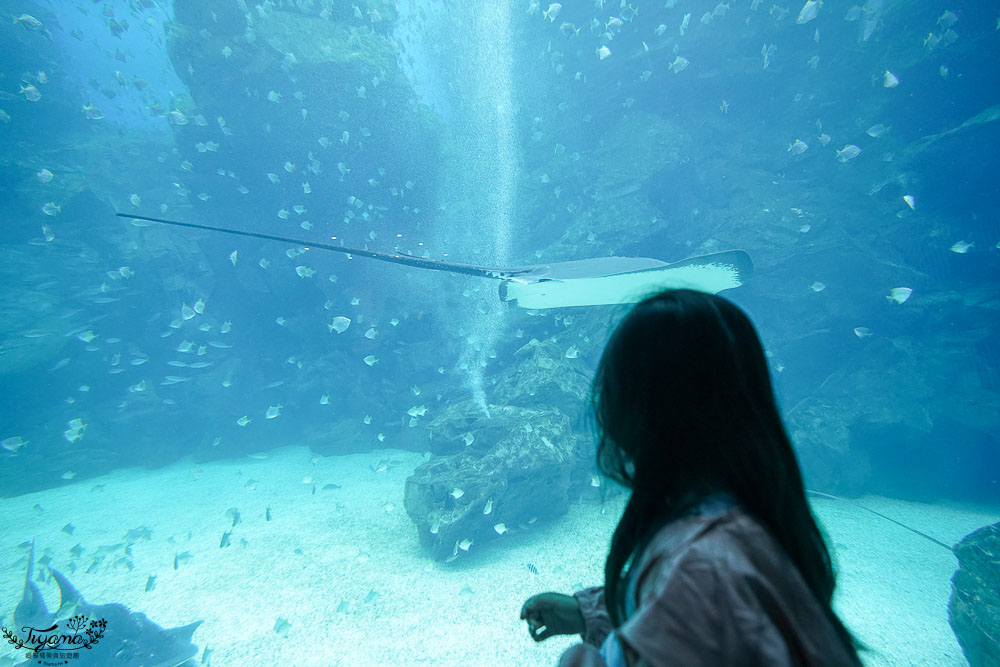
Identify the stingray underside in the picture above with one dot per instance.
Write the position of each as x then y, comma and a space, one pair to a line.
565, 284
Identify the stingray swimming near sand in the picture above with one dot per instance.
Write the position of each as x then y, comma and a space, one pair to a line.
101, 634
581, 282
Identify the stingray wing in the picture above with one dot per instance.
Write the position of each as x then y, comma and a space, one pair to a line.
618, 280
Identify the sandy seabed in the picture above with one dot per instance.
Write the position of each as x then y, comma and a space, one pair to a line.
345, 568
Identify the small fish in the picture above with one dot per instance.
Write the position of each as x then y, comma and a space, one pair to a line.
225, 539
501, 528
961, 247
489, 506
899, 294
68, 475
946, 20
69, 529
552, 12
572, 352
465, 544
29, 22
91, 111
13, 444
181, 558
603, 52
273, 411
324, 399
273, 97
910, 201
862, 332
808, 11
339, 324
456, 493
51, 209
798, 147
267, 514
233, 256
679, 65
532, 569
44, 175
876, 131
282, 626
417, 411
30, 93
817, 287
305, 271
371, 360
889, 80
848, 153
234, 513
151, 583
595, 481
244, 420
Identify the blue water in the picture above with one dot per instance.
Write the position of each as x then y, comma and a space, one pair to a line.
486, 133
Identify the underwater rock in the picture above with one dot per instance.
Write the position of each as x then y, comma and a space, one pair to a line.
879, 416
540, 375
616, 178
518, 468
528, 461
636, 148
115, 635
306, 73
974, 608
821, 431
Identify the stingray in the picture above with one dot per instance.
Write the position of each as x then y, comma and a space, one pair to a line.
581, 282
130, 639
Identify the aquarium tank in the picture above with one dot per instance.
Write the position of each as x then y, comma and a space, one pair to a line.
302, 302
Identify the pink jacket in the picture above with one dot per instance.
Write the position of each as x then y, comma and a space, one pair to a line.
713, 589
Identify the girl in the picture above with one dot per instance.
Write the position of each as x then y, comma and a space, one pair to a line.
717, 559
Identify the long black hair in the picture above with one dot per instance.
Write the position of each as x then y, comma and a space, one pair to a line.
684, 406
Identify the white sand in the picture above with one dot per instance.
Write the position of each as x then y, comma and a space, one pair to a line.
357, 539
